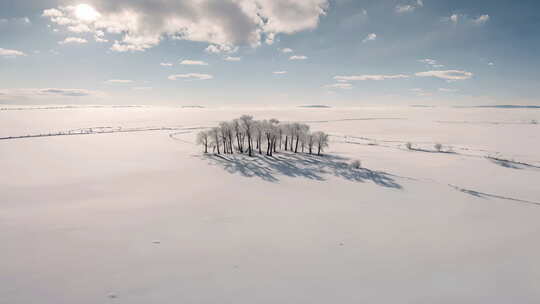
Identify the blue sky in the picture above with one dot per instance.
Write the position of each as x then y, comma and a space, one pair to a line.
269, 52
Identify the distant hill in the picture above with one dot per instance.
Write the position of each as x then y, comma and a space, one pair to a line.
502, 107
314, 106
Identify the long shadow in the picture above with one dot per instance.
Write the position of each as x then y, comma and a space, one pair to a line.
510, 163
312, 167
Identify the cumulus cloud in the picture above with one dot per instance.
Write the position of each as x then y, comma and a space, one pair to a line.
298, 57
8, 53
73, 40
457, 18
286, 50
79, 28
193, 62
342, 86
230, 58
369, 77
408, 8
217, 49
450, 75
400, 9
279, 72
431, 62
481, 19
224, 25
119, 81
191, 76
370, 37
167, 64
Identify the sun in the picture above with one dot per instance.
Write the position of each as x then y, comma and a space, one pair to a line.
85, 12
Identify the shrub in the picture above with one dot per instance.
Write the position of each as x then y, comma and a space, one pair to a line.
409, 146
438, 147
356, 164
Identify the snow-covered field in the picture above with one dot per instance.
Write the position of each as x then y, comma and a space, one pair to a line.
117, 205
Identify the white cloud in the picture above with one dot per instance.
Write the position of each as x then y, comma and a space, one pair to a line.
342, 86
431, 62
7, 53
369, 77
408, 8
142, 88
193, 62
100, 39
191, 76
286, 50
54, 13
224, 25
167, 64
445, 90
279, 72
298, 57
481, 19
217, 49
48, 92
450, 75
230, 58
119, 81
17, 21
75, 40
456, 18
370, 37
400, 9
491, 63
79, 28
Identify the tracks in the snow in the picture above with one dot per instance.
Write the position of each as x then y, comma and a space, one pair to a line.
100, 130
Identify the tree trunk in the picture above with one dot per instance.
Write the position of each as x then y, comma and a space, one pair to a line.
249, 145
292, 142
286, 142
296, 147
238, 142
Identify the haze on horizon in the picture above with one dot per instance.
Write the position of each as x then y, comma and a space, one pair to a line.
260, 52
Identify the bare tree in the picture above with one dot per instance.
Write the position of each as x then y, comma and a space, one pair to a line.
310, 142
237, 127
247, 123
269, 132
321, 139
214, 135
202, 139
223, 129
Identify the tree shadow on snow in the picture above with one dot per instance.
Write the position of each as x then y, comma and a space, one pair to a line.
312, 167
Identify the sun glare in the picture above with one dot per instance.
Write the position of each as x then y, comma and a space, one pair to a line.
86, 13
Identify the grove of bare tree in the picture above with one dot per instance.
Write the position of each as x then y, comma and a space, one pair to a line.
246, 135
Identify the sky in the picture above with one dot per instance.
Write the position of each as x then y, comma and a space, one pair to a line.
270, 52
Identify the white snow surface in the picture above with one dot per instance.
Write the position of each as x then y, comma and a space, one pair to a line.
117, 205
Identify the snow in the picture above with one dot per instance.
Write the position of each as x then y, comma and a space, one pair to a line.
135, 213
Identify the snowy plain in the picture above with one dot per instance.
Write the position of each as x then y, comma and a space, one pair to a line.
118, 205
